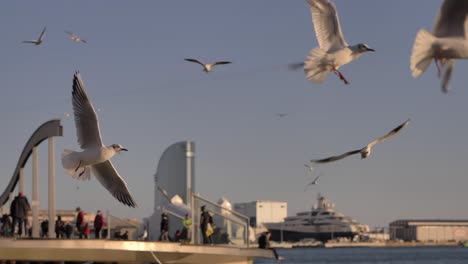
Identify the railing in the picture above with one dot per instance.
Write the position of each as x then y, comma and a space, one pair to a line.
230, 227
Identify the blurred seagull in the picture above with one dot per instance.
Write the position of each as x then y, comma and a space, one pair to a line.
209, 66
75, 37
334, 51
39, 40
447, 42
314, 182
282, 115
95, 156
309, 168
164, 193
366, 151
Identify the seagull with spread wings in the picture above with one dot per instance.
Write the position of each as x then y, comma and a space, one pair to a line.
38, 41
95, 156
314, 182
447, 42
366, 151
208, 67
333, 51
74, 37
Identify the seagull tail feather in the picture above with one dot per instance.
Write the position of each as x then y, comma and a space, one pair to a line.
70, 162
313, 66
422, 52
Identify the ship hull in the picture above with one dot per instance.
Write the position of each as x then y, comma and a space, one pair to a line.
292, 236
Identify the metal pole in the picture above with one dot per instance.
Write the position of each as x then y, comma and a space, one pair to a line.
21, 180
35, 195
108, 221
51, 187
190, 154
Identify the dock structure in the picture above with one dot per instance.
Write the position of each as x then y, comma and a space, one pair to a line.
124, 251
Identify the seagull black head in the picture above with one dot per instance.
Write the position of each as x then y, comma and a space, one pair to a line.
118, 148
364, 48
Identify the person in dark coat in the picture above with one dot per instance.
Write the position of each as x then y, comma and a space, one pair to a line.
59, 227
98, 224
164, 228
80, 222
264, 242
68, 230
19, 211
205, 219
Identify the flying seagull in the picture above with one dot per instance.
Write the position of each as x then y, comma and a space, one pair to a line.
333, 51
314, 182
39, 40
282, 114
95, 156
366, 151
209, 66
164, 193
309, 168
75, 37
447, 42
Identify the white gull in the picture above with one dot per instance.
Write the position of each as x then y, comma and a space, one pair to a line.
333, 51
38, 41
95, 156
208, 67
447, 42
366, 151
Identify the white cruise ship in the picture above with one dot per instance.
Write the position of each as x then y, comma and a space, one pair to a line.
321, 223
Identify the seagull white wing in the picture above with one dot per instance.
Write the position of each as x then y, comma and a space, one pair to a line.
42, 34
30, 41
450, 21
70, 33
327, 25
108, 176
86, 121
391, 133
335, 158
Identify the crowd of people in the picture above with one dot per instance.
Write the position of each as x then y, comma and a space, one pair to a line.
16, 224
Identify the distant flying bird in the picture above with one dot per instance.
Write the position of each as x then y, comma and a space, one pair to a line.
39, 40
334, 51
75, 37
366, 151
314, 182
282, 114
164, 193
447, 42
95, 156
209, 66
309, 168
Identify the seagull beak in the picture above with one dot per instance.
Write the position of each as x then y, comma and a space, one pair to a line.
124, 149
368, 49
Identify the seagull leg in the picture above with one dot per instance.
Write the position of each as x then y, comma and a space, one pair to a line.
78, 166
81, 173
436, 60
337, 72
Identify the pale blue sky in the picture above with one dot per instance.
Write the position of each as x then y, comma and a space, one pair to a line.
149, 98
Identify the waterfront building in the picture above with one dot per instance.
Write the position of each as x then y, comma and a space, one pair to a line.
429, 230
263, 211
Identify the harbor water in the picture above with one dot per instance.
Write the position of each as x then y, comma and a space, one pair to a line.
391, 255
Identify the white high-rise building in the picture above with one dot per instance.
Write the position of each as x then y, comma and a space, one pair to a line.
263, 211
